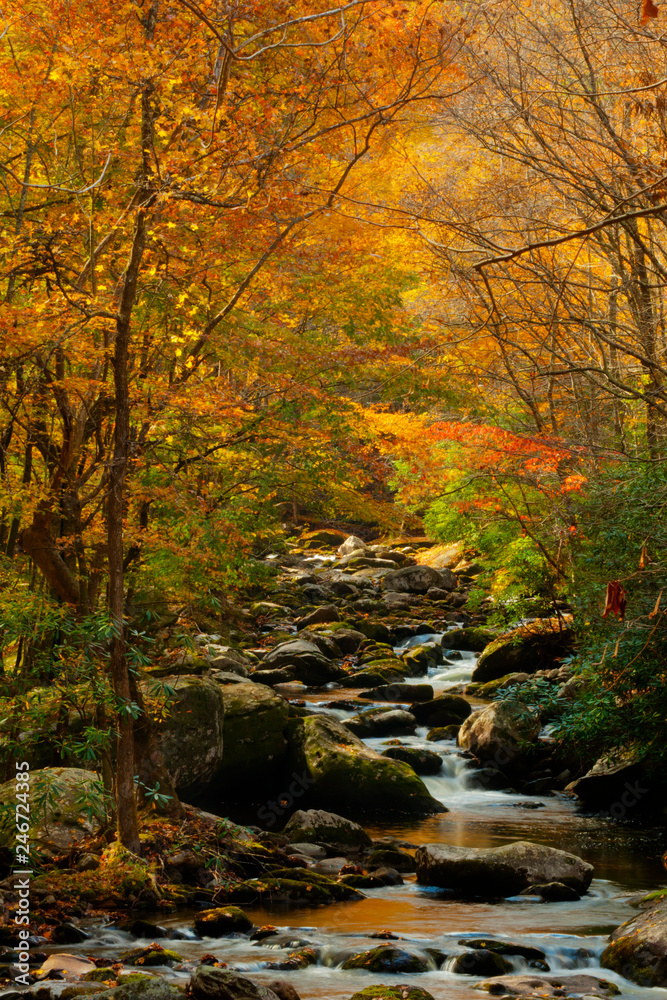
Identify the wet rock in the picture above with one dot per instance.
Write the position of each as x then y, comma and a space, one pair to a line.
154, 954
417, 580
325, 827
491, 688
536, 646
473, 638
190, 736
506, 948
418, 659
209, 983
548, 986
59, 809
222, 920
308, 662
348, 639
399, 692
388, 876
553, 892
503, 735
480, 962
143, 929
63, 962
282, 989
254, 730
382, 722
387, 857
282, 675
229, 665
68, 933
388, 959
401, 992
327, 613
638, 948
348, 775
440, 733
375, 630
500, 871
445, 710
421, 761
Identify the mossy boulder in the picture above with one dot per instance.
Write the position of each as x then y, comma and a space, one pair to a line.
222, 920
291, 885
154, 954
145, 988
499, 871
317, 826
418, 659
349, 776
392, 993
489, 689
190, 731
472, 638
374, 630
637, 949
388, 959
66, 806
305, 657
254, 735
382, 722
539, 645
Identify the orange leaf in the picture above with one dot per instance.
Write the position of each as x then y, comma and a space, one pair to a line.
649, 10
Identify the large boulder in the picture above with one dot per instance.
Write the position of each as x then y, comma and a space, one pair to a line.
421, 761
499, 871
616, 784
154, 988
387, 958
254, 735
400, 992
347, 775
310, 665
445, 710
637, 949
474, 638
382, 722
209, 983
66, 806
190, 732
317, 826
502, 735
416, 580
539, 645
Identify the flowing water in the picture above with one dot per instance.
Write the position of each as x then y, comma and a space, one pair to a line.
432, 923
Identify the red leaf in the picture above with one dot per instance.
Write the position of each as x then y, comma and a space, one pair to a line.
649, 10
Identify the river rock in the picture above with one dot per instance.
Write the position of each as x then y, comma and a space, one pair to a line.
254, 735
549, 986
389, 959
638, 948
66, 807
416, 580
500, 871
230, 665
347, 639
352, 544
538, 645
310, 665
283, 989
616, 783
318, 826
421, 761
382, 722
418, 659
348, 775
445, 710
210, 983
502, 735
190, 735
473, 638
154, 988
222, 920
327, 613
401, 992
480, 962
399, 692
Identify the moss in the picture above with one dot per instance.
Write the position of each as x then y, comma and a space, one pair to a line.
120, 875
627, 957
101, 976
222, 920
153, 955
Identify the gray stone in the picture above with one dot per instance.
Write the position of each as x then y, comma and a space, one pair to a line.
316, 825
414, 580
500, 871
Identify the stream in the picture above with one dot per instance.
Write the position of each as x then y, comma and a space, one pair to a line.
427, 921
